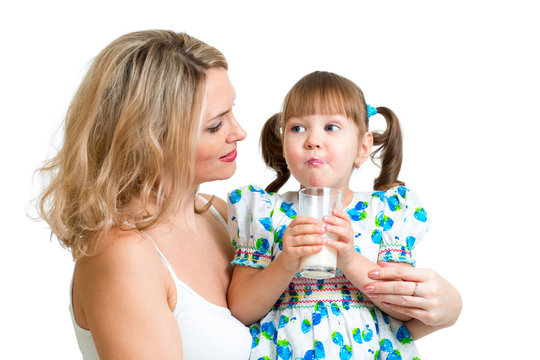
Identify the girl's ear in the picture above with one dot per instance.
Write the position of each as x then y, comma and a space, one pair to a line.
364, 149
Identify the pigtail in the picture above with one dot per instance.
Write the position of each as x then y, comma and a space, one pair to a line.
391, 151
272, 152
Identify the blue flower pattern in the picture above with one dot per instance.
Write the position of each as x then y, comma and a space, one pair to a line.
328, 319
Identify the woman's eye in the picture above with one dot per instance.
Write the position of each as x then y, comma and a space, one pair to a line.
215, 128
331, 127
298, 128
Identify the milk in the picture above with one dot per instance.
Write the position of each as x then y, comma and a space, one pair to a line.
317, 203
321, 265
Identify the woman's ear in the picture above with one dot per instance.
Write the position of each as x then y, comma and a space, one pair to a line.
364, 149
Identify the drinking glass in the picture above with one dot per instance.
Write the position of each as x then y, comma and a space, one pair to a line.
317, 202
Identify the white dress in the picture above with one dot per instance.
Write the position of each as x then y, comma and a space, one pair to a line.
327, 319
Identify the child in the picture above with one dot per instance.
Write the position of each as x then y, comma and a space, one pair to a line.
320, 137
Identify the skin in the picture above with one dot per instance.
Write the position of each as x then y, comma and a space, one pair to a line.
124, 295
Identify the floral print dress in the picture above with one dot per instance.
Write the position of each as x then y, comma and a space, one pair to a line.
327, 319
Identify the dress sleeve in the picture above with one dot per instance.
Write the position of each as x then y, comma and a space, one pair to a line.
403, 222
250, 211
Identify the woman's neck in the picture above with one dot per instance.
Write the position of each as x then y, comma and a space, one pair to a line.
184, 213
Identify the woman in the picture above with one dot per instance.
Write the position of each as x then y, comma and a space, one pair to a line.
151, 121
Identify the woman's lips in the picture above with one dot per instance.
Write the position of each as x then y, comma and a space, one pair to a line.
229, 157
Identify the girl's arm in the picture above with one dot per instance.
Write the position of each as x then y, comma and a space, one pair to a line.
437, 304
354, 266
253, 291
121, 296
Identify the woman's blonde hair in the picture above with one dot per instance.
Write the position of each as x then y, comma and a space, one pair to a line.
324, 92
134, 118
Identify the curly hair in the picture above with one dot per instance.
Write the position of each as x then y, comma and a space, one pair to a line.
134, 119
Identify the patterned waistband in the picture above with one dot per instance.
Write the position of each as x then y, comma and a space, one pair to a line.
334, 293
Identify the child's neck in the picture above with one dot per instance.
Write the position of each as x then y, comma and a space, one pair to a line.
346, 197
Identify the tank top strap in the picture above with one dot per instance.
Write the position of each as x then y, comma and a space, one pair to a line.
214, 212
161, 256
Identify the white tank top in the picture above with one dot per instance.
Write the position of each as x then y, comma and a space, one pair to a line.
208, 331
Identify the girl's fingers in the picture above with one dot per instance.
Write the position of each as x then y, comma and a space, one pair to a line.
337, 219
304, 240
338, 245
303, 220
344, 233
301, 251
305, 229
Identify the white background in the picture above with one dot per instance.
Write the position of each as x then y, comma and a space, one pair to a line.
462, 76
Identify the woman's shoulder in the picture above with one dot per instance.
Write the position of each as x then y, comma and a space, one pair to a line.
122, 286
122, 254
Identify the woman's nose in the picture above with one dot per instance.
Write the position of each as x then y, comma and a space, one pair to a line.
237, 132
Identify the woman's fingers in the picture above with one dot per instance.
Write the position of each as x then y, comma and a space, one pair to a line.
403, 301
414, 312
392, 271
391, 287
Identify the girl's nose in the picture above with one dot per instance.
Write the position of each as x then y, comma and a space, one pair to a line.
313, 141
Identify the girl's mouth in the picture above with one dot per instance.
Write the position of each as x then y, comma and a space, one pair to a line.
314, 162
229, 157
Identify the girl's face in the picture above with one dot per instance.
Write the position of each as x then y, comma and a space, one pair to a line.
322, 150
216, 151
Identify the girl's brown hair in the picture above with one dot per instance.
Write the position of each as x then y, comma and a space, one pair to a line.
134, 119
323, 92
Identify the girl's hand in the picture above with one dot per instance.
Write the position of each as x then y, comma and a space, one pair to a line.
420, 293
301, 238
340, 224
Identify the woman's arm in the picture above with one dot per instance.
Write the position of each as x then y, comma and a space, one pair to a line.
122, 294
436, 305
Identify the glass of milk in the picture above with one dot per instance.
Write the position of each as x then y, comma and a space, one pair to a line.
317, 202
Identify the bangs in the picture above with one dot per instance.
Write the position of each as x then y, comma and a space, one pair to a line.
325, 93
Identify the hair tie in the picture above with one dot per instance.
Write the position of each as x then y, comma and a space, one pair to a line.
370, 110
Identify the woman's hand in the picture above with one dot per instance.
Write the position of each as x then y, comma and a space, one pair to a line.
420, 293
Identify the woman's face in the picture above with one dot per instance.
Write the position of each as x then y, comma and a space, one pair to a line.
216, 151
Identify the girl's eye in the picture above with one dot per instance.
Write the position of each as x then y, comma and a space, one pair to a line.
331, 127
216, 127
298, 128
